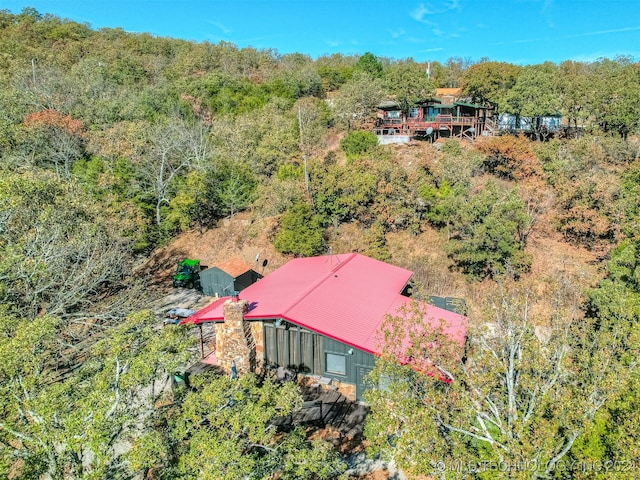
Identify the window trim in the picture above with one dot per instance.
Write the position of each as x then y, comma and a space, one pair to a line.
333, 372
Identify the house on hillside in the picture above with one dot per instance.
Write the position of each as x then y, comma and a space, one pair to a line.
445, 115
227, 277
320, 316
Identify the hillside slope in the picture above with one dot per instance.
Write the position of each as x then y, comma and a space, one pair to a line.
247, 236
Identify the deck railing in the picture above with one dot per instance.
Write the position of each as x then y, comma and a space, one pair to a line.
411, 126
436, 119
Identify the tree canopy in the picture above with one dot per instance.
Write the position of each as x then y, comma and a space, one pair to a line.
113, 143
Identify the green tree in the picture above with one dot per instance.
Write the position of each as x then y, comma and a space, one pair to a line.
282, 192
376, 243
229, 94
370, 189
224, 428
263, 139
616, 300
300, 233
614, 307
357, 143
535, 94
575, 81
193, 201
408, 83
102, 409
313, 119
488, 233
444, 186
236, 188
443, 203
512, 404
369, 64
334, 70
357, 99
615, 103
454, 69
296, 78
489, 82
216, 188
73, 420
630, 197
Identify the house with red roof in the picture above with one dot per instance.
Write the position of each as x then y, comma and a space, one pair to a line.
320, 316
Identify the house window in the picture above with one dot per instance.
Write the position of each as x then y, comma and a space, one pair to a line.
384, 383
413, 113
336, 364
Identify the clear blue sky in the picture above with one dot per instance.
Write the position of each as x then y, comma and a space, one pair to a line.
514, 31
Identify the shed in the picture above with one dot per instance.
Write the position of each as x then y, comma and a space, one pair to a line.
225, 278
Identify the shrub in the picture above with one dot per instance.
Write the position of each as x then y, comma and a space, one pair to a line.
290, 172
301, 232
488, 232
358, 143
509, 157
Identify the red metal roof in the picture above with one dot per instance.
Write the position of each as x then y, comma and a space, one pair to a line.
344, 297
210, 313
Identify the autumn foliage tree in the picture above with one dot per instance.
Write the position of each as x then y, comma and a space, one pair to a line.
60, 139
509, 157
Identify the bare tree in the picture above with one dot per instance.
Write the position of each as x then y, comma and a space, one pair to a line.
53, 138
165, 156
59, 255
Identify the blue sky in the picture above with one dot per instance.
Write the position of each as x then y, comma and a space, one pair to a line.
514, 31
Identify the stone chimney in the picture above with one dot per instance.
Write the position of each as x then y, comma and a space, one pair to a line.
234, 340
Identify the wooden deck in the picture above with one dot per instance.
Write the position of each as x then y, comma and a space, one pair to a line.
326, 407
448, 125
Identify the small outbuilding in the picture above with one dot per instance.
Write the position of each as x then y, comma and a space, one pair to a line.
227, 277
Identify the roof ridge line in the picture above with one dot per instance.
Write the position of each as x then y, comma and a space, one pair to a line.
305, 294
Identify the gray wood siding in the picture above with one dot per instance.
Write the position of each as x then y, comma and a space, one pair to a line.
289, 345
216, 282
355, 360
293, 347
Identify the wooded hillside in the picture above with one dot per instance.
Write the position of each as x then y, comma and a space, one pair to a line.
117, 148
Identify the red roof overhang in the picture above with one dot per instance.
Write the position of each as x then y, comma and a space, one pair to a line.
344, 297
